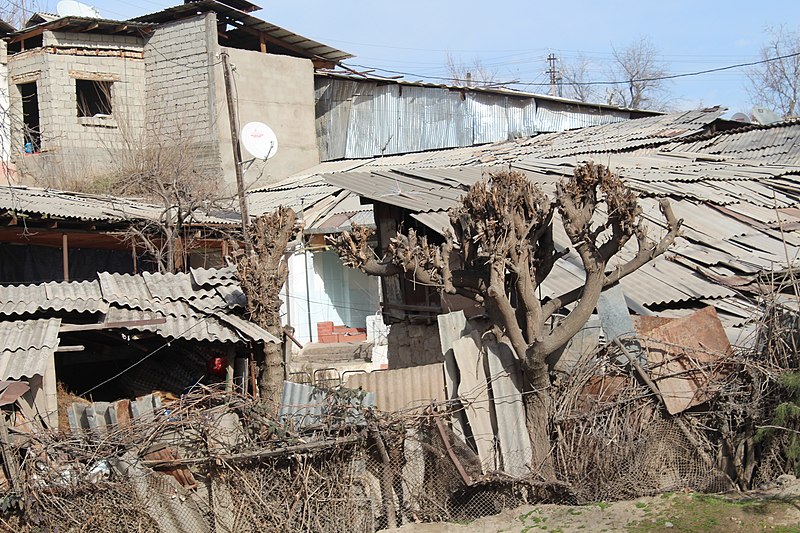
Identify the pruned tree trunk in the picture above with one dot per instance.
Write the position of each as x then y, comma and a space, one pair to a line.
262, 274
502, 250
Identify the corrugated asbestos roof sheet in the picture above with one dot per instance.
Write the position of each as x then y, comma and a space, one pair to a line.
203, 305
23, 200
308, 47
737, 192
27, 346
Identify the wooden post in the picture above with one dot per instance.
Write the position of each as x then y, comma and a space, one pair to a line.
65, 255
237, 151
288, 337
9, 459
133, 255
387, 491
262, 42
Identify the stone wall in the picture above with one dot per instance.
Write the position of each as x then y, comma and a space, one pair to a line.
413, 345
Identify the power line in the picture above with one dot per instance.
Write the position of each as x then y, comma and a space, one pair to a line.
653, 78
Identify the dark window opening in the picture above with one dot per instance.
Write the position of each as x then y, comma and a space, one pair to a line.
32, 136
94, 97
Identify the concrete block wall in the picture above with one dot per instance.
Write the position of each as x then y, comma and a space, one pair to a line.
277, 90
179, 62
75, 148
413, 345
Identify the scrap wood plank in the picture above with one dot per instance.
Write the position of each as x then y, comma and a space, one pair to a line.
505, 376
181, 473
473, 391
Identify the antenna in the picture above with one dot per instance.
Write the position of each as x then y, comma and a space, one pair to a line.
71, 8
259, 139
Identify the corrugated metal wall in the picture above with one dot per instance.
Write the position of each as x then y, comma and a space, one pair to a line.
366, 118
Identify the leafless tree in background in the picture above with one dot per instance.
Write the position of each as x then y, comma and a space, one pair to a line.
637, 70
576, 80
472, 74
776, 84
17, 12
503, 250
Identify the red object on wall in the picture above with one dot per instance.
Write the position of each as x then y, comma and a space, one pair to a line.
218, 365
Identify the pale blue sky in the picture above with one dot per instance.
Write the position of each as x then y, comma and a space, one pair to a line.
514, 37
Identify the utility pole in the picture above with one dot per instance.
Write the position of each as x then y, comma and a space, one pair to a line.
237, 151
555, 75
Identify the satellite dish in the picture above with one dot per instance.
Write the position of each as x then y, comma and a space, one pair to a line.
762, 115
259, 140
71, 8
740, 117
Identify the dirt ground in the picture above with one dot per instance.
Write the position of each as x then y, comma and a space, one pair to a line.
775, 509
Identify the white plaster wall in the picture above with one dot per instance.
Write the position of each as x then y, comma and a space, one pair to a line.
342, 295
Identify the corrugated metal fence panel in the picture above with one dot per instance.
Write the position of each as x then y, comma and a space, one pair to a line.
306, 405
489, 118
334, 101
360, 119
404, 388
363, 136
556, 116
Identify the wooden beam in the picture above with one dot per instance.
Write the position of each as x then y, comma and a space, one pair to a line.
65, 255
262, 42
76, 348
38, 31
70, 328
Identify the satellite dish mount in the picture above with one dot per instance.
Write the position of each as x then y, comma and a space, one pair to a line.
259, 140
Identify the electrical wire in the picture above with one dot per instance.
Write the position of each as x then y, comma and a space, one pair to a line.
605, 82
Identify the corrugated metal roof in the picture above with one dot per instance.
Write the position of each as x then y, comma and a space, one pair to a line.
27, 347
308, 47
208, 311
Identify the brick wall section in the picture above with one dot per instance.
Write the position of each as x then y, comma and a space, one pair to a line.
414, 344
180, 92
92, 40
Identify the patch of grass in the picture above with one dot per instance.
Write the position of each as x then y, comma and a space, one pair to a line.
704, 512
603, 505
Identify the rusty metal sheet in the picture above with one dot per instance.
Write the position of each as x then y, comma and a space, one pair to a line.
686, 357
403, 388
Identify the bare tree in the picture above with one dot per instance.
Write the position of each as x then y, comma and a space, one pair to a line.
775, 83
576, 82
503, 249
638, 74
262, 275
166, 173
473, 74
17, 12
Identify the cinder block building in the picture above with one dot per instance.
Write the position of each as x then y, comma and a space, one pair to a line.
89, 94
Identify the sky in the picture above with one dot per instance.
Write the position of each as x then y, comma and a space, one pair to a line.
513, 38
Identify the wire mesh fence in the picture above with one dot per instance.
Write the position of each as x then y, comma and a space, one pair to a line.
217, 462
